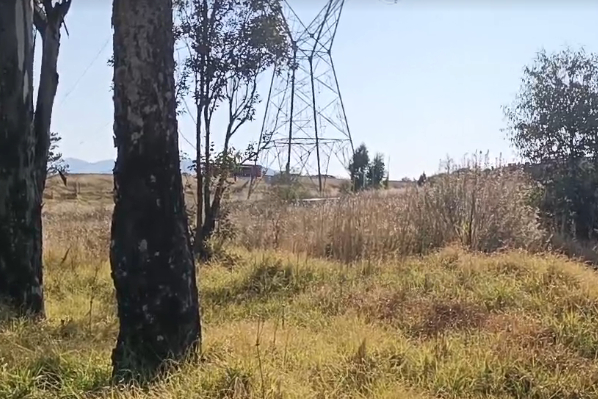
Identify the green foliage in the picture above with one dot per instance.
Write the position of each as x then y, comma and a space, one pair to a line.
231, 42
365, 174
376, 172
358, 168
552, 124
554, 116
55, 162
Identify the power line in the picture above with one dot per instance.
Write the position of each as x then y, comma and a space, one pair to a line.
86, 70
188, 142
98, 130
183, 97
107, 123
189, 111
186, 107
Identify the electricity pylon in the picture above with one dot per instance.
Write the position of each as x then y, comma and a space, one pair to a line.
305, 116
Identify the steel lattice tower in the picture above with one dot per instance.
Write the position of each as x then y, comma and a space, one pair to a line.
305, 123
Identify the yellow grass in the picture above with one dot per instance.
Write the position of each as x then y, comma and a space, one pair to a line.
450, 323
96, 187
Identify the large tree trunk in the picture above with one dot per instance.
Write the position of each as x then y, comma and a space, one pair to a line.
20, 199
24, 146
151, 256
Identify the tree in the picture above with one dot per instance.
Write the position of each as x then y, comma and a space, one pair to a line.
56, 164
376, 172
151, 255
422, 179
24, 145
358, 167
553, 123
231, 43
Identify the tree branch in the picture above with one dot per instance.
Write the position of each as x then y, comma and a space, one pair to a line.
44, 11
39, 17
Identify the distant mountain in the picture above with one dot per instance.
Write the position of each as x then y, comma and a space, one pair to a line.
79, 166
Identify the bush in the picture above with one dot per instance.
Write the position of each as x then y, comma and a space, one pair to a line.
286, 188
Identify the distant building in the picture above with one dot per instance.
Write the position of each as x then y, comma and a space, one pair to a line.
246, 170
243, 170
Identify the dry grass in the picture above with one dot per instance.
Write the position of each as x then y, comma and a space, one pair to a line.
95, 187
479, 211
450, 324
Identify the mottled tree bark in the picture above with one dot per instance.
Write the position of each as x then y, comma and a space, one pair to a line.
24, 145
48, 21
151, 256
20, 199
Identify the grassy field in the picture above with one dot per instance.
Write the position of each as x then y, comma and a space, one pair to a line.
408, 297
99, 187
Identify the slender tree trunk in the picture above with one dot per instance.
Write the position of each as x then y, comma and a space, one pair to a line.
201, 239
20, 202
49, 27
200, 247
208, 175
209, 225
199, 217
200, 95
151, 257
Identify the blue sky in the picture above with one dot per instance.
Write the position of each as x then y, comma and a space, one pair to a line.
420, 79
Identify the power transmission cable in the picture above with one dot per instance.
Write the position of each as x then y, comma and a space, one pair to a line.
86, 70
188, 142
186, 105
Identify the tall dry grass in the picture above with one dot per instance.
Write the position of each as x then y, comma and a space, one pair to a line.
481, 208
76, 231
